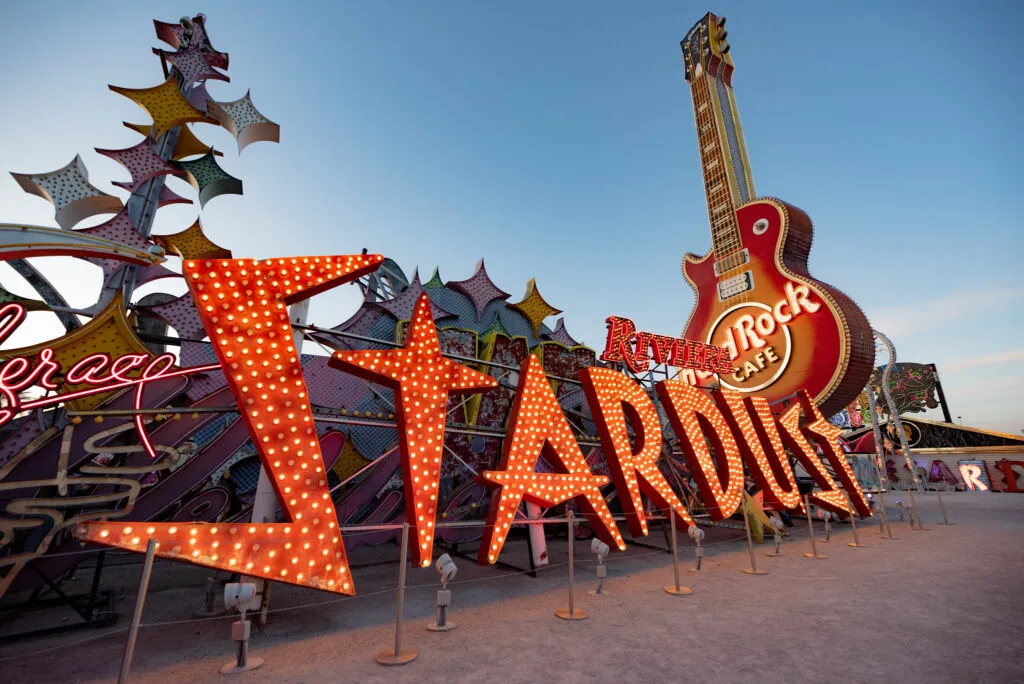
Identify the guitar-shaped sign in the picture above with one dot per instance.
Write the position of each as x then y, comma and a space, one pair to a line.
784, 329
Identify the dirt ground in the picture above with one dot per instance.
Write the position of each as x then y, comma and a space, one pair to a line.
938, 605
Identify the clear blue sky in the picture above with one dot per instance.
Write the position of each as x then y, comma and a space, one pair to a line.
556, 140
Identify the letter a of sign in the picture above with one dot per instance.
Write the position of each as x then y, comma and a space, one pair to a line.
241, 303
685, 406
610, 395
422, 379
538, 427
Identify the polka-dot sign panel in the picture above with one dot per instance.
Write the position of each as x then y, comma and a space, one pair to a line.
165, 105
193, 67
142, 162
119, 229
534, 308
192, 243
244, 121
74, 198
480, 289
210, 179
188, 145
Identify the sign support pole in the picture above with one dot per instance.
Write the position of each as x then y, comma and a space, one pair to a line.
398, 656
571, 613
942, 507
810, 526
140, 600
676, 589
753, 569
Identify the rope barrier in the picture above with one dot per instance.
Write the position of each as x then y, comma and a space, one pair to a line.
317, 604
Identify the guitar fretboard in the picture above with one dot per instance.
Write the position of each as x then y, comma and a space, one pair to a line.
727, 181
725, 237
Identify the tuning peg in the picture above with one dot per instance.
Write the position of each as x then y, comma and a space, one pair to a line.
722, 33
726, 49
721, 22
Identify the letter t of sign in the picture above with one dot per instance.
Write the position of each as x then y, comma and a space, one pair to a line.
422, 379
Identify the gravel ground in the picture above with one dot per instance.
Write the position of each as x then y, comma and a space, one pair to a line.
938, 605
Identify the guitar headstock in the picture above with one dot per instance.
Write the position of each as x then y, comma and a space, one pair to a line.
706, 40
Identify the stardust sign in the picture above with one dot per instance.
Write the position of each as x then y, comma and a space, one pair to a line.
242, 304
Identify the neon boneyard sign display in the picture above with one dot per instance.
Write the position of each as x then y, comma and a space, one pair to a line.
242, 305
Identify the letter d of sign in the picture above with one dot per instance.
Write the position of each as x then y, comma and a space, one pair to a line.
687, 408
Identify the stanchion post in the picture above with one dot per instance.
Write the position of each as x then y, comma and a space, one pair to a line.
881, 501
913, 503
810, 526
571, 613
777, 538
140, 600
676, 589
398, 656
856, 537
942, 507
753, 569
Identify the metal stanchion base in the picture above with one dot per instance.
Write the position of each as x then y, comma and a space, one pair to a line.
772, 554
595, 592
251, 663
855, 545
696, 569
681, 591
576, 614
447, 627
404, 656
815, 555
758, 571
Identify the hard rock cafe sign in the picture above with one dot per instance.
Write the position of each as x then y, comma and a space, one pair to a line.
749, 345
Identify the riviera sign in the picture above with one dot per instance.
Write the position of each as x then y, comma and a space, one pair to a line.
638, 349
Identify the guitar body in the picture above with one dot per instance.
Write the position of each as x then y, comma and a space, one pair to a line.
786, 331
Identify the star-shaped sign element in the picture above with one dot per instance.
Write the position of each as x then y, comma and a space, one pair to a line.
192, 243
165, 104
538, 427
188, 144
479, 289
422, 379
534, 307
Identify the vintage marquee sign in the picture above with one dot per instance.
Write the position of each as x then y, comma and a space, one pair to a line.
95, 374
242, 305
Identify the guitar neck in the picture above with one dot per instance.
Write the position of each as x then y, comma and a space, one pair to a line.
727, 179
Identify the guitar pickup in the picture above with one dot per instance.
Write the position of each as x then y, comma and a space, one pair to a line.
734, 260
736, 285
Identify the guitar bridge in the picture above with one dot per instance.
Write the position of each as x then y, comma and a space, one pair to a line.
736, 285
